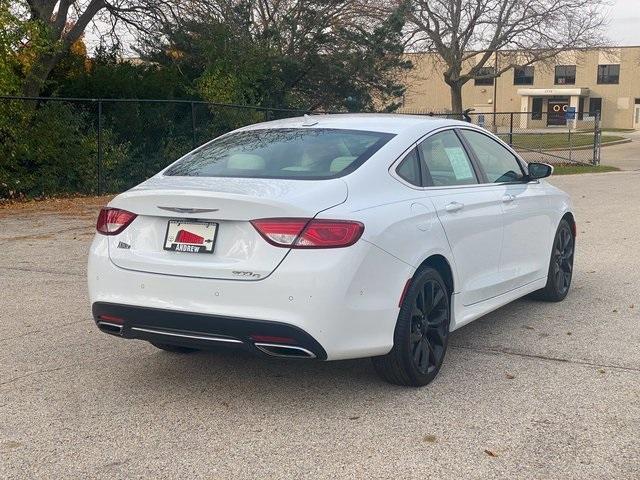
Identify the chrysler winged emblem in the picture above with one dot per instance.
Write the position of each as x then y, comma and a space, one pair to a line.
189, 210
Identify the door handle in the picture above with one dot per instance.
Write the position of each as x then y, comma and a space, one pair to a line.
454, 207
508, 198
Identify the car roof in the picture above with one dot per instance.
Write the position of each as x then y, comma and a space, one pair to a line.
375, 122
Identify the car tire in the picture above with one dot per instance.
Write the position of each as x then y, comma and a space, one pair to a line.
173, 348
421, 334
560, 265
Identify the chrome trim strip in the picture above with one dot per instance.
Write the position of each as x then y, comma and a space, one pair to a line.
184, 335
188, 210
261, 346
394, 165
119, 327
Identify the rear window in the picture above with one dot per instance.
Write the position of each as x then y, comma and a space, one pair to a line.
282, 153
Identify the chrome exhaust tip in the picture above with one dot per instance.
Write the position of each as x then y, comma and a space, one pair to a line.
112, 328
284, 351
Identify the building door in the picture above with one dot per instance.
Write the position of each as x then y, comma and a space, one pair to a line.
636, 114
557, 111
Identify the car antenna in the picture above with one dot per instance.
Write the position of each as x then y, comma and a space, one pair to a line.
309, 121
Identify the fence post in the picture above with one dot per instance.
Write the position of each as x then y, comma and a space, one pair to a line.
511, 129
570, 144
193, 126
596, 140
99, 147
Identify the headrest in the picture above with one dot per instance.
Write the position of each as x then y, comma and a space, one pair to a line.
245, 161
340, 163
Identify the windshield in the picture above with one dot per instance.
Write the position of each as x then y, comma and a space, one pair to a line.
282, 153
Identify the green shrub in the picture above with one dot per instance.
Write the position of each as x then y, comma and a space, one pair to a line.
51, 149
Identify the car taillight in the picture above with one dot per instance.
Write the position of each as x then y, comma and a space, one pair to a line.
112, 221
308, 233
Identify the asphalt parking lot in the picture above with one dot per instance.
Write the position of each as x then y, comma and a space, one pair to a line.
533, 390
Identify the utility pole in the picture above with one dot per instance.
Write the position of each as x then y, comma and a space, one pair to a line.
495, 90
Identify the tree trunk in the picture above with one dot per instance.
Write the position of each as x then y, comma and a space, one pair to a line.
456, 97
37, 76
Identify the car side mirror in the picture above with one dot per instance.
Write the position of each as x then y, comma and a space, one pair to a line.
539, 170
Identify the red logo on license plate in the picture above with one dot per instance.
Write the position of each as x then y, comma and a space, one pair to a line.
184, 236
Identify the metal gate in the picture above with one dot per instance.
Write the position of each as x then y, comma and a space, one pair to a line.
550, 137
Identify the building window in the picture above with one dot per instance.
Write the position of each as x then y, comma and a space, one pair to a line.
487, 81
536, 109
595, 106
523, 75
608, 74
565, 75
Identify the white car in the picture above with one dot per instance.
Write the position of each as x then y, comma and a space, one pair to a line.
331, 237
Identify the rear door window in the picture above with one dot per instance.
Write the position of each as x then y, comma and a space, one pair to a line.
300, 153
446, 160
498, 163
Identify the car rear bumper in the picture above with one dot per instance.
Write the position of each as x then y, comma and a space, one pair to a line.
335, 303
203, 331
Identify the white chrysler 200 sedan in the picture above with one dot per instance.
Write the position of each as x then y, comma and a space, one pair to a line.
331, 237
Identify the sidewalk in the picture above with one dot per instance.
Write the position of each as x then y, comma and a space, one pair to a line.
625, 156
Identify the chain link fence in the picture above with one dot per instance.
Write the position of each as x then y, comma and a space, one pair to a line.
51, 146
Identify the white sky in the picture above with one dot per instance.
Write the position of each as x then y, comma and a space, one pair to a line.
623, 28
624, 22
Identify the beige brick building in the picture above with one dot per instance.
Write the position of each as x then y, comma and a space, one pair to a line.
589, 81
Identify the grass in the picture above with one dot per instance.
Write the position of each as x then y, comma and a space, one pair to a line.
554, 141
571, 169
620, 130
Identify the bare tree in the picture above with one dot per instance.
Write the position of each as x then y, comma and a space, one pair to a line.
65, 22
466, 34
286, 21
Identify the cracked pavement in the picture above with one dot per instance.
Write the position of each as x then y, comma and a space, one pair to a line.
531, 391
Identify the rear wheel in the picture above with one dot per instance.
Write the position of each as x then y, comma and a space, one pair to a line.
421, 334
173, 348
560, 265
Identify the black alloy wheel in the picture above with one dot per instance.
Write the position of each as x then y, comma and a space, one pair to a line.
562, 263
421, 335
429, 326
560, 266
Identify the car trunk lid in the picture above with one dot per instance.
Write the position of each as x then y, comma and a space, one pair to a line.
239, 252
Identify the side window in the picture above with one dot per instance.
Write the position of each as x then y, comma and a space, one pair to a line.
409, 169
499, 164
446, 160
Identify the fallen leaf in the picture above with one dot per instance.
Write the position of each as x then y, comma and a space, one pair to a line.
354, 418
11, 444
528, 327
490, 453
601, 370
510, 376
429, 439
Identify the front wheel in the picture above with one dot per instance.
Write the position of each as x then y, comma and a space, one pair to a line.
560, 265
421, 334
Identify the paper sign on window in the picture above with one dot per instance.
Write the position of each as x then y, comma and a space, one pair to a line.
459, 163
